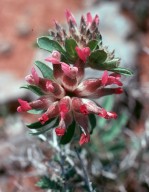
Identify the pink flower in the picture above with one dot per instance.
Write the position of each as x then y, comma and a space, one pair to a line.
33, 78
90, 20
70, 17
24, 106
54, 58
85, 138
83, 53
113, 78
43, 119
60, 131
68, 96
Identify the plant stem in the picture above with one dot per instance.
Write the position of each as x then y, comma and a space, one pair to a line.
62, 156
86, 177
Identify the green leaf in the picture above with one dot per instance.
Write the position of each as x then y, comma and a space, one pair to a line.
122, 71
69, 134
111, 64
97, 58
34, 89
36, 111
46, 71
37, 124
41, 131
45, 129
70, 45
47, 183
92, 44
92, 120
49, 45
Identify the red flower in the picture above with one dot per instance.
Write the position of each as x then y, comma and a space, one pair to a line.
60, 131
83, 53
24, 106
68, 95
44, 118
85, 138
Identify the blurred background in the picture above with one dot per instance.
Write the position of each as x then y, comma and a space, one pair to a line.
124, 25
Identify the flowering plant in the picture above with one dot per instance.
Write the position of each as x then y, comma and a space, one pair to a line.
66, 99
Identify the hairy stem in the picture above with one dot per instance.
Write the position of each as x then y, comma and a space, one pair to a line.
86, 177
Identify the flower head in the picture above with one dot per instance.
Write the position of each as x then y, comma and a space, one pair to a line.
66, 97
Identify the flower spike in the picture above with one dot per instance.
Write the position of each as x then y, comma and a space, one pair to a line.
65, 94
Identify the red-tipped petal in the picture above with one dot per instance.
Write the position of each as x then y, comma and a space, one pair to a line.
118, 90
44, 118
24, 106
89, 18
85, 138
60, 131
70, 17
111, 115
83, 109
68, 70
83, 53
49, 86
102, 113
54, 58
96, 19
64, 106
104, 78
35, 76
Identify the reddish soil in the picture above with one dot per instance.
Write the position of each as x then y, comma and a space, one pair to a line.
37, 17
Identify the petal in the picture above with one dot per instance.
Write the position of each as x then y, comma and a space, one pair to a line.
83, 53
24, 106
69, 71
87, 87
111, 115
49, 86
106, 91
68, 83
82, 120
86, 106
96, 19
85, 138
104, 78
43, 118
54, 58
83, 109
70, 17
41, 103
33, 78
52, 88
35, 75
60, 131
51, 112
64, 106
89, 19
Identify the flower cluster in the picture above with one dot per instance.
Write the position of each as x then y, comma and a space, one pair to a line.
66, 97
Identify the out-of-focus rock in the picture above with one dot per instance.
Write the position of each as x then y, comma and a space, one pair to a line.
10, 92
23, 29
5, 47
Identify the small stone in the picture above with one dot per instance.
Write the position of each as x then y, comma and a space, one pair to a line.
23, 29
5, 47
